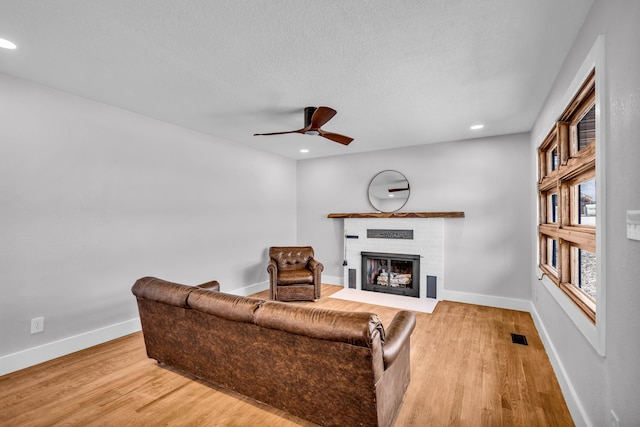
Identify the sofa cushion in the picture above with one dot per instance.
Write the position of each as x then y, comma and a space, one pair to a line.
227, 306
356, 328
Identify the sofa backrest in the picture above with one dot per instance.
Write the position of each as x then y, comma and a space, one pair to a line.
159, 290
355, 328
226, 306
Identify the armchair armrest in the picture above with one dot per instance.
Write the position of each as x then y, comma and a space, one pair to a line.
315, 264
213, 285
272, 267
397, 335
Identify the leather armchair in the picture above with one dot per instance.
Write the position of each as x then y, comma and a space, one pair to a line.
294, 273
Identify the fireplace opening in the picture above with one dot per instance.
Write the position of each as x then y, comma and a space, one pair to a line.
397, 274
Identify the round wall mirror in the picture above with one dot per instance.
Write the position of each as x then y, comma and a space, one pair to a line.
388, 191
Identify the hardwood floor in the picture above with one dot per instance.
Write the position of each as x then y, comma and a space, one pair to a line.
465, 371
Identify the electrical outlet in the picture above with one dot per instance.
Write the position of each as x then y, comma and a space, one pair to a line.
37, 325
633, 225
614, 421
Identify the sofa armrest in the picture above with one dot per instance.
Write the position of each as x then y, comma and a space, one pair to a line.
213, 285
397, 335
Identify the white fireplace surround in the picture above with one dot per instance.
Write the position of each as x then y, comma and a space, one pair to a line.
428, 242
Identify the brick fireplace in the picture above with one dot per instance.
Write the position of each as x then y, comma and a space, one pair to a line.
422, 238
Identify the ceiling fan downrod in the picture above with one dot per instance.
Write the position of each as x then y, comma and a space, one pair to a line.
308, 115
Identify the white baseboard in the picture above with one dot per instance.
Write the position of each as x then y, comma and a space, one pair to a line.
42, 353
262, 286
488, 300
247, 290
45, 352
333, 280
576, 408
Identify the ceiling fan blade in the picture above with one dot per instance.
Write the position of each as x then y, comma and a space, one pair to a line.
281, 133
336, 137
321, 116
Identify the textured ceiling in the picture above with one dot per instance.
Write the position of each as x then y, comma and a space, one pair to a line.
399, 73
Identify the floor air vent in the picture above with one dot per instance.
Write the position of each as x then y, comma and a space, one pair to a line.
519, 339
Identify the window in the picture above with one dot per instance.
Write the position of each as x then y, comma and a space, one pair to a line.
567, 198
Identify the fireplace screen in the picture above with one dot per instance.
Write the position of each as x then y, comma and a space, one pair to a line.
391, 273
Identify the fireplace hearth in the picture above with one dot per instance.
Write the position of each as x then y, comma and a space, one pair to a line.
397, 274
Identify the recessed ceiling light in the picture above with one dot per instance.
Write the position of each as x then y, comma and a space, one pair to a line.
6, 44
476, 127
304, 150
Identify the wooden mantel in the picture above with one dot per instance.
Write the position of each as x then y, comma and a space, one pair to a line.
398, 215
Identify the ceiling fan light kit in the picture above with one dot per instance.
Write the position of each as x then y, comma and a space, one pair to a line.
314, 119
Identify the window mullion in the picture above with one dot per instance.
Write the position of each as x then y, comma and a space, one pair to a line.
562, 130
580, 238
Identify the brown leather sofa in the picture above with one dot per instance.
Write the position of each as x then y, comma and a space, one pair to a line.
329, 367
294, 273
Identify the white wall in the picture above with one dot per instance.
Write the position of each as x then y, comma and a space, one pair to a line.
600, 384
486, 253
93, 198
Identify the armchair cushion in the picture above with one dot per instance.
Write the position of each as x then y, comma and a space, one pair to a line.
292, 277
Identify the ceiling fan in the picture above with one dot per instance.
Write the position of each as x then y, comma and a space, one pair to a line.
314, 119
